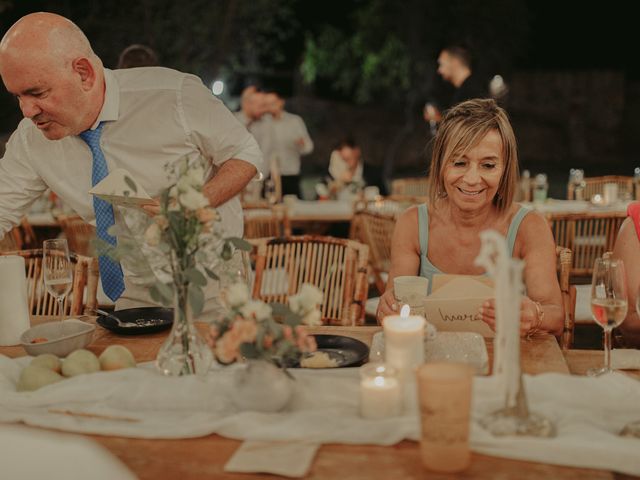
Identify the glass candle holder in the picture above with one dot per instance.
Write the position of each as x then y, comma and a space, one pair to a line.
380, 393
444, 396
404, 342
411, 290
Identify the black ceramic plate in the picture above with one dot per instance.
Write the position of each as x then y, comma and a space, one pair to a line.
142, 320
346, 351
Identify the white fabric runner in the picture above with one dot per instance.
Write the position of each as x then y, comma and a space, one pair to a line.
143, 404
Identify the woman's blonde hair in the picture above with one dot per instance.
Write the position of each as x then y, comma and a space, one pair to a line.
462, 128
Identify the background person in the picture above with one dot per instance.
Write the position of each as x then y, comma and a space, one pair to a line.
137, 55
473, 175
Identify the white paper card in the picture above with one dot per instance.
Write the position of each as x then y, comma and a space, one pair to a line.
116, 190
290, 459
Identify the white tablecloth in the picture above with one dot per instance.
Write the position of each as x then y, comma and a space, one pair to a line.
588, 412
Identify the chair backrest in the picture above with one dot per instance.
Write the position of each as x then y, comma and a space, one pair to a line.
375, 230
267, 223
82, 297
12, 240
79, 234
563, 256
336, 265
587, 235
410, 187
595, 185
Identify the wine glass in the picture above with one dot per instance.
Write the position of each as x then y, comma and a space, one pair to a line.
608, 302
270, 191
633, 429
57, 270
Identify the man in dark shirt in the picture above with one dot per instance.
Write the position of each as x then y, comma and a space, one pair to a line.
455, 67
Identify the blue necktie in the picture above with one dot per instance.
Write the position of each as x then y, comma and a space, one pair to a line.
110, 270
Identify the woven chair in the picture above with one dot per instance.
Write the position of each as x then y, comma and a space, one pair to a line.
563, 256
267, 223
81, 298
336, 265
410, 187
375, 230
587, 235
12, 240
595, 185
79, 234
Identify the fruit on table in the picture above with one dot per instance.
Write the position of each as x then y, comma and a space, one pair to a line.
79, 362
49, 361
116, 357
33, 377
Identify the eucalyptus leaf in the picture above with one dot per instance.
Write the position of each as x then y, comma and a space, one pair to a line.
196, 277
161, 293
196, 299
211, 274
249, 350
130, 183
240, 244
227, 252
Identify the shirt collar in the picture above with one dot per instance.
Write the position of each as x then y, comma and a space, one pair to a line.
111, 106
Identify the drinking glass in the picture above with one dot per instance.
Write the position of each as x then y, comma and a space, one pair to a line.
633, 429
57, 271
270, 191
608, 302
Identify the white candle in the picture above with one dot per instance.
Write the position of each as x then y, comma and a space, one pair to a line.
404, 341
379, 392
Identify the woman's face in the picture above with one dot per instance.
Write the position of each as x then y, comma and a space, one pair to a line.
471, 180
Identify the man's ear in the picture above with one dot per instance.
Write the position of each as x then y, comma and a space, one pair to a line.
83, 67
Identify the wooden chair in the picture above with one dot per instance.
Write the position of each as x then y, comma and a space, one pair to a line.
595, 185
587, 235
410, 187
79, 234
375, 231
564, 260
82, 297
12, 240
267, 223
336, 265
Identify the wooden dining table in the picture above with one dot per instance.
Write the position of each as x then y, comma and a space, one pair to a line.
205, 457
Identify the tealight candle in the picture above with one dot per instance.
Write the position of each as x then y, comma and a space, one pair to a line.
404, 341
379, 391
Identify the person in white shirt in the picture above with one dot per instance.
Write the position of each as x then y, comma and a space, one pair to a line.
147, 117
346, 165
253, 115
289, 141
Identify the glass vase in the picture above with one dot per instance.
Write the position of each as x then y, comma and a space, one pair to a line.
261, 386
184, 352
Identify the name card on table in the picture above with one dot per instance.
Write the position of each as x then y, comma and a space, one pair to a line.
454, 302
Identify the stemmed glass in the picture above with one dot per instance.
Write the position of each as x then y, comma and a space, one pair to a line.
633, 429
608, 302
270, 192
57, 270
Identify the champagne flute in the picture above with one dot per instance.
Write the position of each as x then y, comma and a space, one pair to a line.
608, 302
633, 429
57, 270
270, 191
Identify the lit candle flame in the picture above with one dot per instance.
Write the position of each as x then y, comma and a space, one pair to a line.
405, 311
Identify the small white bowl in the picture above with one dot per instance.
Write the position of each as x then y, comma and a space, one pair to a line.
63, 337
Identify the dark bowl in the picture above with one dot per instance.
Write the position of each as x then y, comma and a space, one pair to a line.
143, 320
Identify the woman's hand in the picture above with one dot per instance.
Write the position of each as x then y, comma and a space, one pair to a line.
387, 306
529, 321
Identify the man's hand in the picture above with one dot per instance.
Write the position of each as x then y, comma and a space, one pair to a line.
152, 208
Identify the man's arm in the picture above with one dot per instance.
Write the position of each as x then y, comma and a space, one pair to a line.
228, 181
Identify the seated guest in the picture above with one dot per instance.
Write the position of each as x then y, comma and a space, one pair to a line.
474, 170
345, 165
137, 55
627, 249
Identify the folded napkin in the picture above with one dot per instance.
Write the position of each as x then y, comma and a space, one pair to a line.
289, 459
625, 359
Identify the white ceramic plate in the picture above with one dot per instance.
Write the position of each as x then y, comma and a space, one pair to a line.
63, 337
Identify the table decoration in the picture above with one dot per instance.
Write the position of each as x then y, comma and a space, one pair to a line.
183, 246
380, 393
411, 290
404, 337
250, 333
514, 418
444, 392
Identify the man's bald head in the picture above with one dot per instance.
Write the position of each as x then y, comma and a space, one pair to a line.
47, 62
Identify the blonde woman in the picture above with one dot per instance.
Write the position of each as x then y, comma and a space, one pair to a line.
474, 172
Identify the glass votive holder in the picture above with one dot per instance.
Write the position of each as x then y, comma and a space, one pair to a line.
411, 290
444, 397
380, 391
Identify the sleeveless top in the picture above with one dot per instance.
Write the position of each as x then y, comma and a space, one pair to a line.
633, 211
427, 269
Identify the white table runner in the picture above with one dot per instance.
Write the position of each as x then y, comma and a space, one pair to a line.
143, 404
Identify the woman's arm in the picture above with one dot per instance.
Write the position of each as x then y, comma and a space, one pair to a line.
627, 249
405, 258
542, 308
